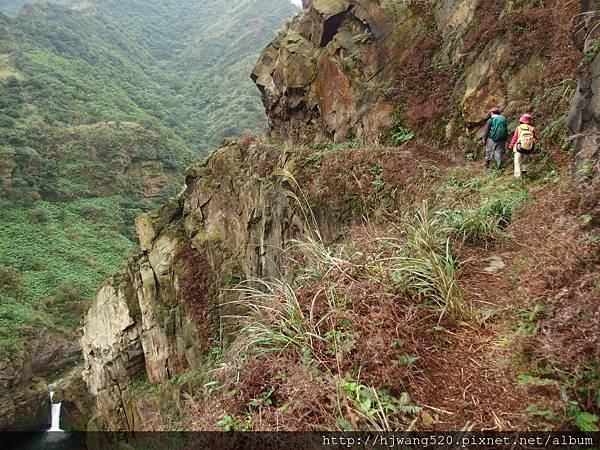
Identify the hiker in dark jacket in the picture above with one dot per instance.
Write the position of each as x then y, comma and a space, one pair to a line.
495, 136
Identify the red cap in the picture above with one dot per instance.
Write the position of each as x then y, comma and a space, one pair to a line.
526, 118
495, 110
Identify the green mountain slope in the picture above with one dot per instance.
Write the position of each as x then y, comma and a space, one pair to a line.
11, 7
204, 51
96, 127
184, 62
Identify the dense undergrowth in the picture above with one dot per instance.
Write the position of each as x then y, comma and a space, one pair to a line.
53, 257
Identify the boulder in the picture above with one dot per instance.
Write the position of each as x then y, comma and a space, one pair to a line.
329, 8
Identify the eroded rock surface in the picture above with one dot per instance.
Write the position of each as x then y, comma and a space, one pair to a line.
137, 329
346, 69
584, 118
140, 327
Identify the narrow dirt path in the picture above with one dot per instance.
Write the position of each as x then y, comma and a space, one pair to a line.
468, 380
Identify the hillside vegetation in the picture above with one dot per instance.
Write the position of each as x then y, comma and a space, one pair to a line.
102, 106
11, 7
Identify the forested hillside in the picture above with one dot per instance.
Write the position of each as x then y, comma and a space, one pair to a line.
102, 105
206, 51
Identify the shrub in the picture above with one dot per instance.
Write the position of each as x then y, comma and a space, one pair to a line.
401, 135
91, 211
39, 215
10, 279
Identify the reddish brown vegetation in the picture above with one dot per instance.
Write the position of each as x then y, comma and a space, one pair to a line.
485, 27
426, 91
464, 373
552, 278
282, 391
545, 30
355, 180
563, 273
259, 156
195, 281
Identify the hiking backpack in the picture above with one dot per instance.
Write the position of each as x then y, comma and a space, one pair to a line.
526, 139
499, 129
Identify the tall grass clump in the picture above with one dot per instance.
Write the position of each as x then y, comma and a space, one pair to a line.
273, 320
424, 264
488, 220
319, 260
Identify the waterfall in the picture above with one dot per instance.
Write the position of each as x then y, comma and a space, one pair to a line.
54, 414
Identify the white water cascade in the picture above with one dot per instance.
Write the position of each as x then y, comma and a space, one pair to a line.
54, 414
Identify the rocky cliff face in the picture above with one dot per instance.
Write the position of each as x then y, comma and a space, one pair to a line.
584, 118
360, 68
158, 316
137, 329
24, 395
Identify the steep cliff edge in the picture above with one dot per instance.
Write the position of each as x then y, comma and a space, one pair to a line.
164, 312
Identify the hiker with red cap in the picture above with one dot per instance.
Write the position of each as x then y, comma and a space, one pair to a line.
495, 136
523, 144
